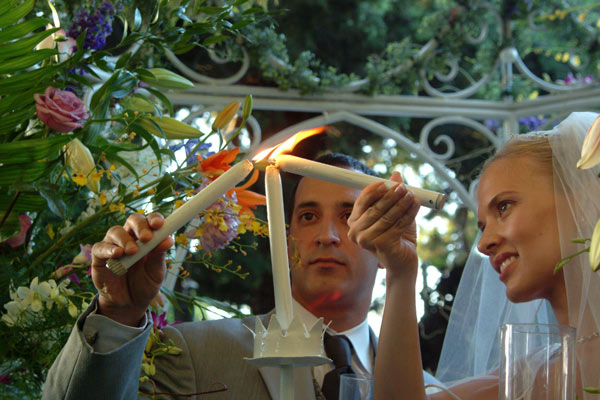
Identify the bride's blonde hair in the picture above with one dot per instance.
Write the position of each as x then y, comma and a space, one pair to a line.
533, 145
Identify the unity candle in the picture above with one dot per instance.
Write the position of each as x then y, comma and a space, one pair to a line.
278, 243
184, 214
347, 177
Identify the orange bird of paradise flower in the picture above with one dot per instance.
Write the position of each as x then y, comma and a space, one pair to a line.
245, 198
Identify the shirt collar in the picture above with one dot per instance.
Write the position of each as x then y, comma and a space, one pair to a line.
359, 335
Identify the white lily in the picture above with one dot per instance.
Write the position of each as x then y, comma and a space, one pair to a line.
590, 151
80, 160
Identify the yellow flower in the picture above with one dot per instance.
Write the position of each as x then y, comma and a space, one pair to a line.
142, 212
557, 56
565, 57
582, 16
181, 239
95, 175
117, 207
136, 192
102, 198
151, 191
80, 179
178, 203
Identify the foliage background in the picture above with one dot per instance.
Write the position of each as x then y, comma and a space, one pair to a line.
325, 44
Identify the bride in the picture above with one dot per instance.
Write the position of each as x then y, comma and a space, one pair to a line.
532, 200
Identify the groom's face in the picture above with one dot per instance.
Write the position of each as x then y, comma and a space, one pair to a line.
326, 266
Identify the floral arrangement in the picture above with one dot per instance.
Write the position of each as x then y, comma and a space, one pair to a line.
89, 136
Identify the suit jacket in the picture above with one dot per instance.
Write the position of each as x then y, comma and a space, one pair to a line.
213, 355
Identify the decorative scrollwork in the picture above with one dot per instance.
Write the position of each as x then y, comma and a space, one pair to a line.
198, 77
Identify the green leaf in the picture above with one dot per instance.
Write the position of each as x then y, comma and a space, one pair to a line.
29, 172
10, 227
19, 63
16, 14
33, 150
25, 202
137, 20
6, 5
26, 79
23, 46
9, 122
20, 30
148, 137
55, 202
115, 158
212, 10
171, 297
164, 189
163, 99
215, 39
241, 24
123, 60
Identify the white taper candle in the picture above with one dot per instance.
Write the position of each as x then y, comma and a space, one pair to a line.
278, 243
351, 178
185, 213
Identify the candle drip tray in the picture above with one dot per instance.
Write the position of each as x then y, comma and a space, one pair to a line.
297, 346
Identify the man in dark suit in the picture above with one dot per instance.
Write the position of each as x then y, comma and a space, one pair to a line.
332, 277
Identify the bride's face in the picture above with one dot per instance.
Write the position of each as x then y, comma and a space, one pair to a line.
517, 217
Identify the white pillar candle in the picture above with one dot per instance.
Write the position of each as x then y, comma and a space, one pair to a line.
185, 213
278, 243
351, 178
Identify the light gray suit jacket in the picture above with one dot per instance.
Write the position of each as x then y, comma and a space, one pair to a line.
213, 353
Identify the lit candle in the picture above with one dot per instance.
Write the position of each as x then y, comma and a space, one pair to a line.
184, 214
278, 243
351, 178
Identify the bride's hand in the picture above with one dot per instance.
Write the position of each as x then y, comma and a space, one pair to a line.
383, 222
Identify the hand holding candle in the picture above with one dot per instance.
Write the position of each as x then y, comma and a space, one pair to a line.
184, 214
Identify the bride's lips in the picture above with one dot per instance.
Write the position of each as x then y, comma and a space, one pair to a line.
503, 263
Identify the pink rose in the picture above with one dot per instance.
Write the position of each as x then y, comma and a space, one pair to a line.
61, 110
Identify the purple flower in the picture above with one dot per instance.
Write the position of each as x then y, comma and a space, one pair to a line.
189, 146
159, 321
532, 123
220, 225
98, 26
570, 79
5, 378
492, 124
75, 279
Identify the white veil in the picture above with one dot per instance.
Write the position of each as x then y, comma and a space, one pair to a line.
472, 342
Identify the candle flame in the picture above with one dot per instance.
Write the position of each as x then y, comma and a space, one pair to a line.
289, 144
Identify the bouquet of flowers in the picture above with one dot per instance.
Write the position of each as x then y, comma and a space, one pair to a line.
88, 136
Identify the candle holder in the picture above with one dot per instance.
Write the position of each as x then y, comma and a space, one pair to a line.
287, 349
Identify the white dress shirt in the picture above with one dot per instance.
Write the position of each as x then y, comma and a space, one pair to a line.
362, 358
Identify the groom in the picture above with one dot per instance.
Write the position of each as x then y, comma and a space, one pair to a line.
332, 277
